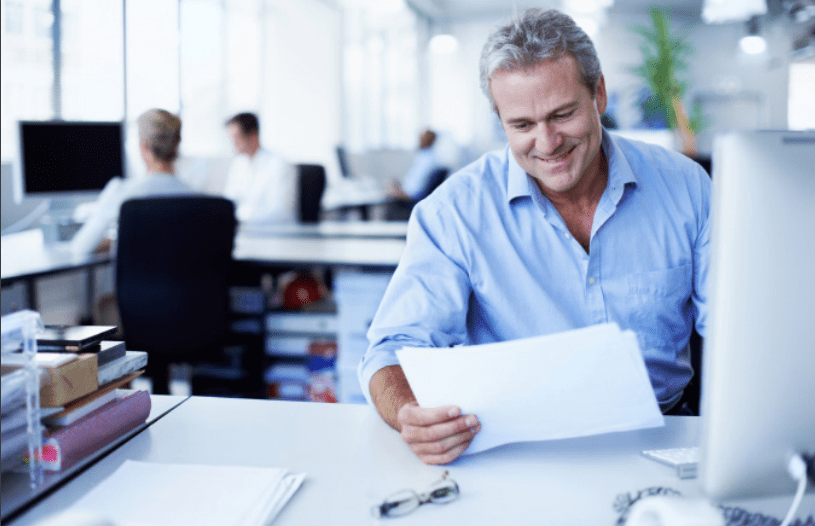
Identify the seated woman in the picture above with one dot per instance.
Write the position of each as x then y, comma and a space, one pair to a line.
159, 137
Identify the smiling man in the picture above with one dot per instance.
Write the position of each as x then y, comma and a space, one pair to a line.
565, 228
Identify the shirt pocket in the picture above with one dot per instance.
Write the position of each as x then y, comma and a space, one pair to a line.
658, 304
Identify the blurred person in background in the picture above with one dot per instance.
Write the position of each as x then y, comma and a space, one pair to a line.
414, 185
261, 184
159, 138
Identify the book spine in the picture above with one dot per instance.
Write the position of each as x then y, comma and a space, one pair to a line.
68, 445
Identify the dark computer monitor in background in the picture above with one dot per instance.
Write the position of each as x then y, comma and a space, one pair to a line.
342, 159
61, 159
758, 374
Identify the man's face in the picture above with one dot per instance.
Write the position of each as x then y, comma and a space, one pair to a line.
243, 143
552, 122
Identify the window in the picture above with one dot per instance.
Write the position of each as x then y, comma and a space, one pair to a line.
26, 68
801, 114
92, 69
381, 79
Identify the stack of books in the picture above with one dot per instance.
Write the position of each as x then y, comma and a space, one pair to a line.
83, 406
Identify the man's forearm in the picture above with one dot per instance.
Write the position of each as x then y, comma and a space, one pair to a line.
389, 392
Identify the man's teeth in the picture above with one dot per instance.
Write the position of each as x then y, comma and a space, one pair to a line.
558, 159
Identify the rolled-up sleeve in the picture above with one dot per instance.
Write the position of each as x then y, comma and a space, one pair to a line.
425, 304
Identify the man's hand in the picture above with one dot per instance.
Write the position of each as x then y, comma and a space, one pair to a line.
438, 435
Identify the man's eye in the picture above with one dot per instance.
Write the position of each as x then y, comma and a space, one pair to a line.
521, 126
562, 116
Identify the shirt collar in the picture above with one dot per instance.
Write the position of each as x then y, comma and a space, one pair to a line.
619, 172
517, 180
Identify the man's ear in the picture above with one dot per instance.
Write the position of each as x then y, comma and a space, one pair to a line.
600, 95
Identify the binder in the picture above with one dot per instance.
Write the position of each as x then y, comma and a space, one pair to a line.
68, 445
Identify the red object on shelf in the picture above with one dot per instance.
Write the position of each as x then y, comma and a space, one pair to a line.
302, 291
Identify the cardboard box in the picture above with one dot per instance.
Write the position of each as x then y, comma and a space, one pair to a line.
70, 381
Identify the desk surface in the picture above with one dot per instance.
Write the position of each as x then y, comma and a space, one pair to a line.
376, 244
343, 251
25, 255
341, 229
16, 490
352, 460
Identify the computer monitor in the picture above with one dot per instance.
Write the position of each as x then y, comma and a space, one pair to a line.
60, 159
342, 159
758, 374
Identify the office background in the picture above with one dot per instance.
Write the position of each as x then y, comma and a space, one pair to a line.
362, 73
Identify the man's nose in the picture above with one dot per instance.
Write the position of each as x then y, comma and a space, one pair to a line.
548, 139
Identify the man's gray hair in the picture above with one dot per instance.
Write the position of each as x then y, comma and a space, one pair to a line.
533, 37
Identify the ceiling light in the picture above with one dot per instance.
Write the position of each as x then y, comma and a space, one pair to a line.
443, 44
718, 11
753, 43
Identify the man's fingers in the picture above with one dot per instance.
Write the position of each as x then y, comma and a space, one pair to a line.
412, 414
434, 433
446, 457
437, 435
441, 446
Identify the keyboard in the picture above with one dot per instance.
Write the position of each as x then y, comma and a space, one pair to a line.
684, 459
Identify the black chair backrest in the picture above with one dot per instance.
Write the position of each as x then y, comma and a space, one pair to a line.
173, 259
311, 185
436, 178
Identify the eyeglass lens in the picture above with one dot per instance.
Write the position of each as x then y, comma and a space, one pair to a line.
405, 501
399, 503
443, 491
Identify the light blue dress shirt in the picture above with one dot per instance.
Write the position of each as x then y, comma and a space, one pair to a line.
489, 258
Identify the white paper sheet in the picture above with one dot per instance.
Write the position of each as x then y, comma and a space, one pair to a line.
575, 383
180, 494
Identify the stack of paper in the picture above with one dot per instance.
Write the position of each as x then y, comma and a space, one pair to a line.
575, 383
181, 494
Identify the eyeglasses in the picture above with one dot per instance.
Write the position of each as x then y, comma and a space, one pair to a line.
403, 502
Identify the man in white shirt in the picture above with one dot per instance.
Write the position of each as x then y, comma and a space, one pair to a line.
261, 184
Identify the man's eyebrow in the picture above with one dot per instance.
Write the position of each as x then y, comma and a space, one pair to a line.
560, 109
565, 107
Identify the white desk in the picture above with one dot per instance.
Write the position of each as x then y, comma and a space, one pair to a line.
343, 229
335, 251
16, 490
26, 257
353, 459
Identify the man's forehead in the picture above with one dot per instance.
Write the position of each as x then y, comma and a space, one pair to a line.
560, 64
542, 87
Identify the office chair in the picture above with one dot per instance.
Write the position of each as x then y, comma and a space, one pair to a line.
400, 210
688, 405
311, 185
173, 259
436, 178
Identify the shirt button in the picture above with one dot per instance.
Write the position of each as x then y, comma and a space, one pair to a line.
592, 281
568, 236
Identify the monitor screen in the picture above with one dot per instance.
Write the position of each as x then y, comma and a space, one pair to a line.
758, 374
342, 159
58, 158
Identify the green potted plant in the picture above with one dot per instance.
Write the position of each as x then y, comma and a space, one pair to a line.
663, 58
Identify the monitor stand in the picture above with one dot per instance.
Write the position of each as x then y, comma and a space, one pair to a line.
58, 223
